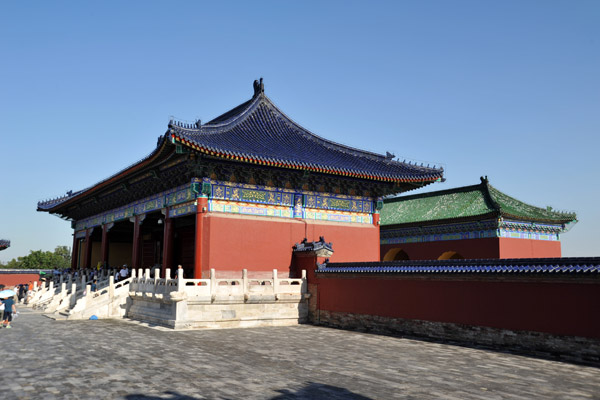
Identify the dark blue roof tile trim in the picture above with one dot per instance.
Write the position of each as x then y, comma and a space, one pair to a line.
586, 265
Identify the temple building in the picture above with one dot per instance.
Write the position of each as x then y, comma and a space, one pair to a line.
236, 192
477, 221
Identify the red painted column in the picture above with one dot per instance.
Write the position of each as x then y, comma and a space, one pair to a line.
75, 254
135, 255
104, 245
167, 261
200, 214
88, 248
376, 217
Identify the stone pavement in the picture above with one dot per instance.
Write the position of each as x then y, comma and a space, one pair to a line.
118, 359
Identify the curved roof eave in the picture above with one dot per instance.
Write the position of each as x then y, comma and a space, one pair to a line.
111, 179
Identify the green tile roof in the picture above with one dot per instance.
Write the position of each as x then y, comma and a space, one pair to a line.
464, 203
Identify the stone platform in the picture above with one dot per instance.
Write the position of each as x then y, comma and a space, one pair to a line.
118, 359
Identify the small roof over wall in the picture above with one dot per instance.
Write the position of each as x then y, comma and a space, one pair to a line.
465, 203
518, 266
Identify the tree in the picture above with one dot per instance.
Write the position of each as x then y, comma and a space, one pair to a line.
38, 259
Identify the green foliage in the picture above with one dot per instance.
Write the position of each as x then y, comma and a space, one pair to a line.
38, 259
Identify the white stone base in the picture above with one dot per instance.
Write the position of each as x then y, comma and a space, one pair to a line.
205, 315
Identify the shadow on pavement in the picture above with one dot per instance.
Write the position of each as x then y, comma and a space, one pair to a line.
311, 391
173, 396
319, 391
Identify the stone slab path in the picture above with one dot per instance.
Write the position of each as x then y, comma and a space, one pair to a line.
116, 359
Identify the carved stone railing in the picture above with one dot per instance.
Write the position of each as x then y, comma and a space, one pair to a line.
214, 290
107, 302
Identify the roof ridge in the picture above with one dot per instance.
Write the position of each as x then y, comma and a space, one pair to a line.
302, 129
234, 117
434, 193
487, 194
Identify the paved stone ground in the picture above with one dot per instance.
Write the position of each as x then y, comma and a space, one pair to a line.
116, 359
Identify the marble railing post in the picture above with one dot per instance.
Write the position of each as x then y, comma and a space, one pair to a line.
168, 273
275, 282
156, 274
245, 281
132, 273
111, 288
213, 282
180, 283
147, 273
73, 291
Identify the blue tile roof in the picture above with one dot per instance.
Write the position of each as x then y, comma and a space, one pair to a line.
586, 265
4, 244
258, 132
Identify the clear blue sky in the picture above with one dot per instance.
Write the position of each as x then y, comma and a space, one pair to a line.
507, 89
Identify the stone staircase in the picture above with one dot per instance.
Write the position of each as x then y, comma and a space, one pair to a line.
109, 301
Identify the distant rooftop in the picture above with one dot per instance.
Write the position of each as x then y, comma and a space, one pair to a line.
464, 203
4, 244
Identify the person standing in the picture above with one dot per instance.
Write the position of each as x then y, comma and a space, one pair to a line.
9, 309
124, 272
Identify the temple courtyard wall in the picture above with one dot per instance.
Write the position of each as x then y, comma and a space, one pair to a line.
10, 278
475, 248
537, 314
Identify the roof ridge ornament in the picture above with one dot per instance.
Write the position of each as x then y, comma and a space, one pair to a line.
259, 87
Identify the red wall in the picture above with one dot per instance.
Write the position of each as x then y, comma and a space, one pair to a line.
555, 308
235, 242
10, 280
479, 248
468, 248
528, 248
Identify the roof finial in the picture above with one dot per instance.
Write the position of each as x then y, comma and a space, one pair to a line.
259, 87
484, 179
